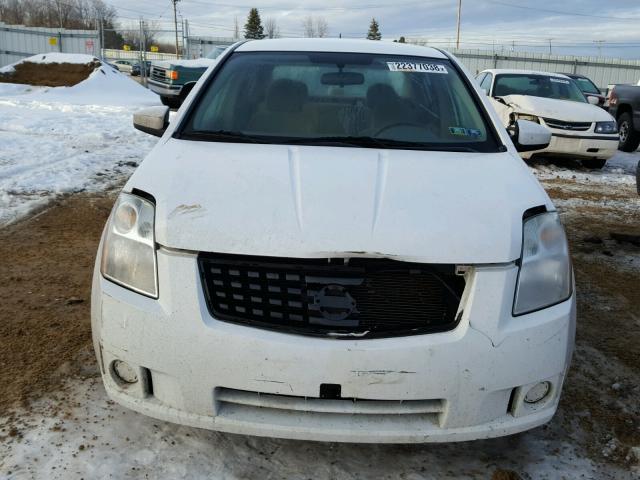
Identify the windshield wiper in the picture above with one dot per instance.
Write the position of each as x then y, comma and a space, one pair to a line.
221, 136
369, 142
337, 141
357, 142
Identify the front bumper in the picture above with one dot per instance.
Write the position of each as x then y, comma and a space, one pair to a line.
586, 145
164, 89
464, 384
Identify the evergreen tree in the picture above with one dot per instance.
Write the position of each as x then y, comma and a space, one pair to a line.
253, 29
402, 40
374, 31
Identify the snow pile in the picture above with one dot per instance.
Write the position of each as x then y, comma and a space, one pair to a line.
105, 86
56, 57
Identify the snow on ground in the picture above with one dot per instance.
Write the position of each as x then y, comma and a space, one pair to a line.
68, 139
620, 169
91, 437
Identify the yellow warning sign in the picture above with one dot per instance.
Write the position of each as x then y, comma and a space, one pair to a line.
53, 40
127, 47
154, 48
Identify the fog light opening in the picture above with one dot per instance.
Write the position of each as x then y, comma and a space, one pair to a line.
538, 392
123, 372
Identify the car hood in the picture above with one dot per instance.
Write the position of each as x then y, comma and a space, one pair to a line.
558, 109
195, 63
315, 202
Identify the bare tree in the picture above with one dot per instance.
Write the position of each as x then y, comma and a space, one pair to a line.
322, 27
131, 34
308, 27
315, 27
76, 14
271, 28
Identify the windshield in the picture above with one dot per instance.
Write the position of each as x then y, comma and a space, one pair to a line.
340, 99
537, 86
586, 85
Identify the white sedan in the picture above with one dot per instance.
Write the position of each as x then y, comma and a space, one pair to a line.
579, 129
336, 240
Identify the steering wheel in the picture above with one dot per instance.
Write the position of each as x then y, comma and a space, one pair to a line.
399, 124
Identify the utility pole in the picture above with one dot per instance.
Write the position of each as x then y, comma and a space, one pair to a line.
185, 42
102, 47
175, 23
459, 15
599, 44
143, 49
550, 53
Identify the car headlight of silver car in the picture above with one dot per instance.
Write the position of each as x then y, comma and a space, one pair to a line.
606, 127
524, 116
128, 249
545, 276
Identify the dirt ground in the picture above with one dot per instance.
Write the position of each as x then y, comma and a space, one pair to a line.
44, 305
49, 74
45, 287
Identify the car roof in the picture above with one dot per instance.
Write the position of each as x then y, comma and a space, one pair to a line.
498, 71
338, 45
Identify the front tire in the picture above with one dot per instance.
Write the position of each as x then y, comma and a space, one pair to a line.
629, 136
594, 163
171, 102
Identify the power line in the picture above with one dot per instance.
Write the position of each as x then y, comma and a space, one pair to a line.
559, 12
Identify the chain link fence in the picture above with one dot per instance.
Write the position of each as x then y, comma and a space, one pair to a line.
18, 42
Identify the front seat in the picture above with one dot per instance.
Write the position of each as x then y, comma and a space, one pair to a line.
283, 111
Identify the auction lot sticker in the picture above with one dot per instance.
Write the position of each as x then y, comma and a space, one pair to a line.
416, 67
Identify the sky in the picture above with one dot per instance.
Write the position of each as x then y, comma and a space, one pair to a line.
572, 27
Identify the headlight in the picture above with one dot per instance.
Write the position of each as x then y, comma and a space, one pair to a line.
607, 127
545, 269
128, 250
524, 116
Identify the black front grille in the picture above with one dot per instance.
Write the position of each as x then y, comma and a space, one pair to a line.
158, 73
336, 297
562, 125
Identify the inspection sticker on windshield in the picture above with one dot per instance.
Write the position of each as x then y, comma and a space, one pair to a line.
465, 132
416, 67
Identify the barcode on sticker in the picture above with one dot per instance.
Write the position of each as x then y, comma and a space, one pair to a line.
416, 67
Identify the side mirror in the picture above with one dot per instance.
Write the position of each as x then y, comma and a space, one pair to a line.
152, 120
593, 100
528, 136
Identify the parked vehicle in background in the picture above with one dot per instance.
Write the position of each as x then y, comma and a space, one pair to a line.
624, 105
135, 70
579, 130
336, 241
125, 66
174, 79
589, 89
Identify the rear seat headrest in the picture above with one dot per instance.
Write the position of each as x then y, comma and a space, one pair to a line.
286, 95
